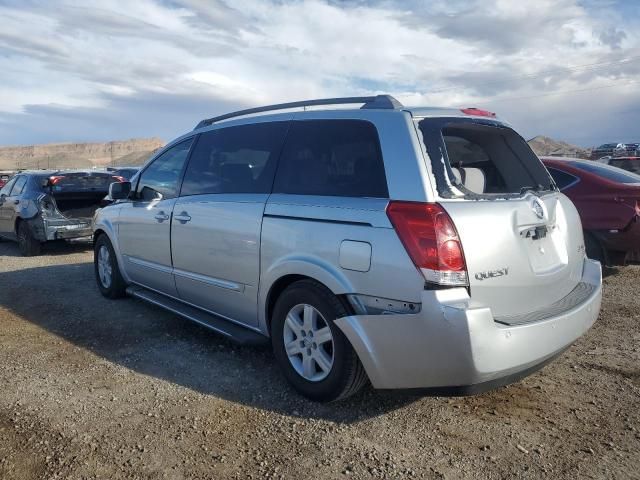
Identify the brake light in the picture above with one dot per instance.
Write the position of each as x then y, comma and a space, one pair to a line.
637, 208
55, 179
431, 240
477, 112
118, 178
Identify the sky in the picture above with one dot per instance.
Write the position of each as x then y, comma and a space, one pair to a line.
116, 69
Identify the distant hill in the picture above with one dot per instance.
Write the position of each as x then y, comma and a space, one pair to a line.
137, 151
546, 146
79, 155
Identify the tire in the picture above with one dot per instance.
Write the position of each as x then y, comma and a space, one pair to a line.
105, 264
345, 375
29, 246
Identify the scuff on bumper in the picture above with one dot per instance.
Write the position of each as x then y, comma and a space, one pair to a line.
59, 229
450, 345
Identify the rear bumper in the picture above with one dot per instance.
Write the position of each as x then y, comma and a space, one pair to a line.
453, 348
58, 229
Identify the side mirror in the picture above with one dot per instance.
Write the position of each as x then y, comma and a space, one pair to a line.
119, 190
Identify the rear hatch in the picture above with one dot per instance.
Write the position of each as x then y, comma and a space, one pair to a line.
522, 239
77, 194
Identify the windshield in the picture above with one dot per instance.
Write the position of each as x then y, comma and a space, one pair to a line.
473, 158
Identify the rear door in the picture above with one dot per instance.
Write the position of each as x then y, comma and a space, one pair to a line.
8, 207
217, 220
522, 239
144, 223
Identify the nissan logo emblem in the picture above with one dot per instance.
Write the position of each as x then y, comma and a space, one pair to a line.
537, 209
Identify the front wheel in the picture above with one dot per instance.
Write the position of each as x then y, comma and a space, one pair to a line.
108, 277
313, 353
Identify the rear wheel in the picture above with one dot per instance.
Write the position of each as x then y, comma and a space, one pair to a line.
108, 277
29, 246
314, 355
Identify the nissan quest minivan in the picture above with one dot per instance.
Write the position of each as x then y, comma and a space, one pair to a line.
406, 247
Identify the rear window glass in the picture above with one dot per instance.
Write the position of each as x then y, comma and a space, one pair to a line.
626, 164
610, 173
80, 182
481, 158
332, 158
562, 179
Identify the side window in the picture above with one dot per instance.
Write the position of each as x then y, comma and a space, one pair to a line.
19, 185
7, 188
240, 159
332, 158
163, 175
562, 179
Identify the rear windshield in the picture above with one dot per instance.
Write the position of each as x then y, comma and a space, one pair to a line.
626, 164
78, 182
474, 158
611, 173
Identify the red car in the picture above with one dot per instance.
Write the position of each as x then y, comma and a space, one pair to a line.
608, 201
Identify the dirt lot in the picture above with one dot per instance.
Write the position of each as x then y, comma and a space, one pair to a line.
92, 388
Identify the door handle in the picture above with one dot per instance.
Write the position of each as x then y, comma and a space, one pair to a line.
183, 217
161, 217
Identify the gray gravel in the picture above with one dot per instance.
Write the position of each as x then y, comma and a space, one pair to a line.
92, 388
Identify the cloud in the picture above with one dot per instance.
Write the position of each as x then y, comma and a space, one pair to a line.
102, 70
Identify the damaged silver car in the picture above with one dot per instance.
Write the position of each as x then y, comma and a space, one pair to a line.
41, 206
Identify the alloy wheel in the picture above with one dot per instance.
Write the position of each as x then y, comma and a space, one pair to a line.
308, 342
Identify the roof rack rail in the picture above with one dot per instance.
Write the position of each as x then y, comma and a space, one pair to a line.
385, 102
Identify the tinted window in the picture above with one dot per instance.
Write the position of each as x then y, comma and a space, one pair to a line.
625, 164
562, 179
7, 188
332, 157
163, 175
19, 185
239, 159
610, 173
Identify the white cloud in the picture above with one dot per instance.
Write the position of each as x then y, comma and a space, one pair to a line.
85, 60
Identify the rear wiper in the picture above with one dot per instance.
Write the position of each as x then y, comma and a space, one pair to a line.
536, 188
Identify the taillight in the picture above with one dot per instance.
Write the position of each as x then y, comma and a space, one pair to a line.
118, 178
55, 179
637, 208
431, 240
477, 112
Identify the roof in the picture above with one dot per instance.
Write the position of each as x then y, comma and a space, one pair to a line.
378, 102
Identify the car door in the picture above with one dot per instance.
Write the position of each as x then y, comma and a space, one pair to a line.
215, 238
10, 203
144, 223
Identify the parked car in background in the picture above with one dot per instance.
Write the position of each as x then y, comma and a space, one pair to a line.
4, 178
125, 172
630, 164
603, 150
625, 149
326, 231
608, 200
39, 206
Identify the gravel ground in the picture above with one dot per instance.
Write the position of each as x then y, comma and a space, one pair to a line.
92, 388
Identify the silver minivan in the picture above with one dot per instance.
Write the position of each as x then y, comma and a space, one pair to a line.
412, 248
